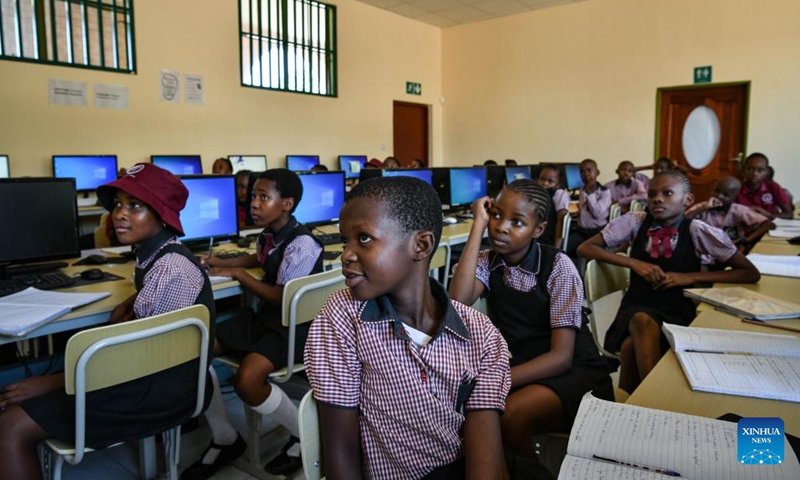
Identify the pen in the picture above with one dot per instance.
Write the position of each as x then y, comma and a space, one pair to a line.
662, 471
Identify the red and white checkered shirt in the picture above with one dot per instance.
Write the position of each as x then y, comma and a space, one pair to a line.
710, 243
172, 283
564, 285
359, 356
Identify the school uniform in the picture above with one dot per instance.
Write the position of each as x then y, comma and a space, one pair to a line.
680, 248
560, 201
526, 302
290, 253
167, 277
624, 193
734, 219
411, 399
644, 179
769, 196
593, 211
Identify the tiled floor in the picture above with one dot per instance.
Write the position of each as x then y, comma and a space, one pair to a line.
121, 463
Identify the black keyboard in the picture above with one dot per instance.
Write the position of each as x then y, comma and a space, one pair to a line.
329, 238
231, 254
42, 281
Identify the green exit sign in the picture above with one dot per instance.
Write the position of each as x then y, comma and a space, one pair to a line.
702, 74
413, 88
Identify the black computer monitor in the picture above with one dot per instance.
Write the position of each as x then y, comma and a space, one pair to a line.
425, 174
351, 165
518, 172
495, 179
89, 171
323, 198
5, 170
254, 163
535, 171
441, 183
572, 176
179, 164
466, 185
301, 163
40, 216
210, 210
367, 173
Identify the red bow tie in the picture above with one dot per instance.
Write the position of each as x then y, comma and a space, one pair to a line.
661, 236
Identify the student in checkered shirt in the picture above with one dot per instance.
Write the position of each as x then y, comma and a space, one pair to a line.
409, 383
534, 296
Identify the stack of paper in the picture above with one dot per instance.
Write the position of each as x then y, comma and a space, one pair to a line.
32, 308
778, 265
785, 228
749, 364
745, 303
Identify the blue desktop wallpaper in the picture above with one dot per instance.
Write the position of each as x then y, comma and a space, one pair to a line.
179, 164
211, 208
323, 197
89, 172
467, 185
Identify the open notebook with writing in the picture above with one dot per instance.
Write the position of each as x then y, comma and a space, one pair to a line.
732, 362
619, 441
31, 308
745, 303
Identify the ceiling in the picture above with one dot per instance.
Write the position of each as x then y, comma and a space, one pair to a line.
447, 13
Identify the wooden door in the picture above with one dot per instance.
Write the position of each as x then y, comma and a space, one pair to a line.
410, 132
729, 102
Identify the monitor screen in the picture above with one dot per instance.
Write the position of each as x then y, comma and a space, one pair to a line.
368, 173
43, 214
351, 165
518, 173
323, 197
4, 170
89, 171
179, 164
495, 178
301, 163
467, 185
254, 163
210, 209
573, 179
425, 174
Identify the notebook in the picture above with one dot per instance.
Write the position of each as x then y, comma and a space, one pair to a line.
745, 303
741, 363
31, 308
620, 441
778, 265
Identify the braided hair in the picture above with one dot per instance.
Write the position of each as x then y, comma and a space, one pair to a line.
678, 175
535, 194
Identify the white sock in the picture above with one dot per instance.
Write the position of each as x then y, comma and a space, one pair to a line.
222, 432
279, 406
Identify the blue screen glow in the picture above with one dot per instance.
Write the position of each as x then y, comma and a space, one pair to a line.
351, 165
211, 208
421, 173
89, 171
301, 163
517, 173
179, 164
323, 197
467, 185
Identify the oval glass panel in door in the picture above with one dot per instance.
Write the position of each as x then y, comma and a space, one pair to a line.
701, 135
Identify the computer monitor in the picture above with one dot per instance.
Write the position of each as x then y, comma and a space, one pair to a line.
425, 174
572, 173
5, 171
518, 173
210, 210
495, 178
301, 163
351, 165
441, 183
323, 198
41, 218
254, 163
179, 164
367, 173
466, 185
89, 171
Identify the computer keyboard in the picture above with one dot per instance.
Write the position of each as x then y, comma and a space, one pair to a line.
42, 281
231, 254
329, 238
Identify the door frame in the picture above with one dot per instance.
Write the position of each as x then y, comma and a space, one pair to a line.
429, 133
698, 86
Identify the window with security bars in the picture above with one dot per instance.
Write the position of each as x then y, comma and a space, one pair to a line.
94, 34
289, 45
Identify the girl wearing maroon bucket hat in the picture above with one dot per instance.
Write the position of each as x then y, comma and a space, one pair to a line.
145, 207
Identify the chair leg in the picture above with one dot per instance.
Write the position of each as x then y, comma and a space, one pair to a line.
147, 458
254, 429
172, 451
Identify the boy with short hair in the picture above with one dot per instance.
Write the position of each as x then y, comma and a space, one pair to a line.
410, 384
594, 206
744, 226
760, 194
625, 188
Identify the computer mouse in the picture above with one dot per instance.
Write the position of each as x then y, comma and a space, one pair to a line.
92, 274
243, 242
96, 259
794, 240
450, 220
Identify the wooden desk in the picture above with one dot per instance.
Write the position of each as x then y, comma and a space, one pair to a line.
666, 387
776, 246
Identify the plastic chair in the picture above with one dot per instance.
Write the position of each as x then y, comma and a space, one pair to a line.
615, 212
565, 224
114, 354
101, 240
302, 299
638, 206
605, 286
310, 438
